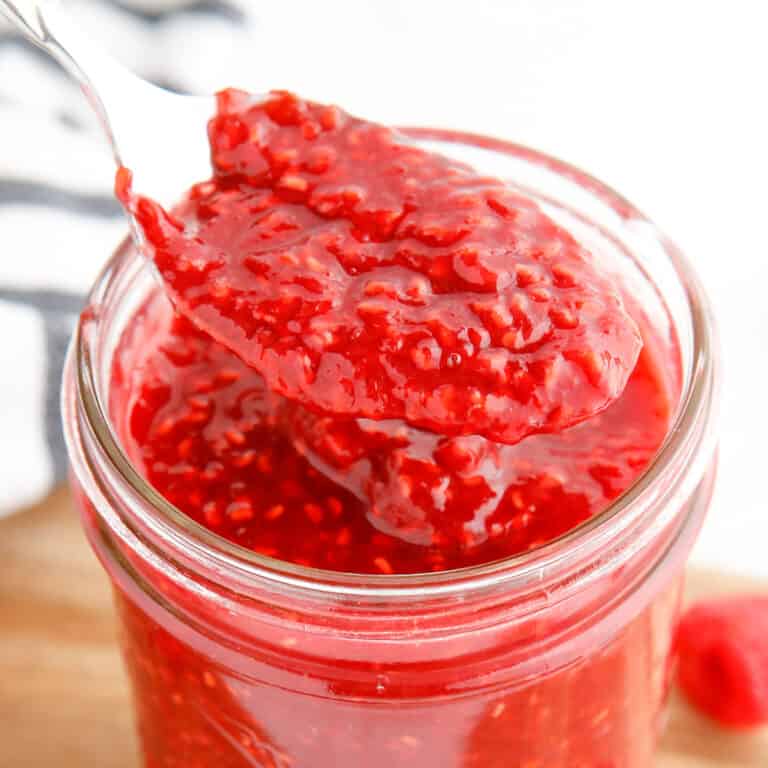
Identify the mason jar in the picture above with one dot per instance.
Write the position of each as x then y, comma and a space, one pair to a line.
555, 658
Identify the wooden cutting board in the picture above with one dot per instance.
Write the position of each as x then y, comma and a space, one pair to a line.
64, 700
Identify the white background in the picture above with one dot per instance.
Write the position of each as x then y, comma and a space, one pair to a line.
662, 99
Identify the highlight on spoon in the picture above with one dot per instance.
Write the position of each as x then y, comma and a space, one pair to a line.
160, 135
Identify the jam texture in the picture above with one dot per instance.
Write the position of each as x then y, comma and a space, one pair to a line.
363, 276
359, 495
381, 361
197, 711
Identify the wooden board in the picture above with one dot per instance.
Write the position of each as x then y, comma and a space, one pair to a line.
64, 700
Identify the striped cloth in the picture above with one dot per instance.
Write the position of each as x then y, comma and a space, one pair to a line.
58, 218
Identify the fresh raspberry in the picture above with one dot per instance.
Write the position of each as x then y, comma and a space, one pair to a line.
722, 648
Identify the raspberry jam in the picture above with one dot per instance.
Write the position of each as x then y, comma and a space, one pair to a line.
375, 361
356, 495
356, 276
363, 276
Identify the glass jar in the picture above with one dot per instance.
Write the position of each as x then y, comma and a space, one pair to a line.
555, 658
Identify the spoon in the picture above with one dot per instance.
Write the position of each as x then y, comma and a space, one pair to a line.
158, 134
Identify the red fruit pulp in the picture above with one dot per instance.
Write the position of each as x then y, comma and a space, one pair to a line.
358, 495
403, 323
363, 276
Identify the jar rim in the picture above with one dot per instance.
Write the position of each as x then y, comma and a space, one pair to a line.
692, 432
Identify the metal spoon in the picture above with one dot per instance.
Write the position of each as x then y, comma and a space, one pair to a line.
159, 135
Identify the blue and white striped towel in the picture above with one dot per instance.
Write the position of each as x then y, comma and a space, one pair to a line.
58, 219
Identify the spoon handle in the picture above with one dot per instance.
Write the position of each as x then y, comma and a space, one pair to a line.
159, 135
27, 16
47, 25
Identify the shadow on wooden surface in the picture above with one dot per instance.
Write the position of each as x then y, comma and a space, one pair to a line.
64, 700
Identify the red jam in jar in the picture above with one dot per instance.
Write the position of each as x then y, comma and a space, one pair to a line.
404, 389
356, 495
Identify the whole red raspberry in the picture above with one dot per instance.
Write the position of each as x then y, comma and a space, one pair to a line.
722, 648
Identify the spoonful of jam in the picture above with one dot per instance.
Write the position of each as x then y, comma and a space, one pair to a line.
362, 276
